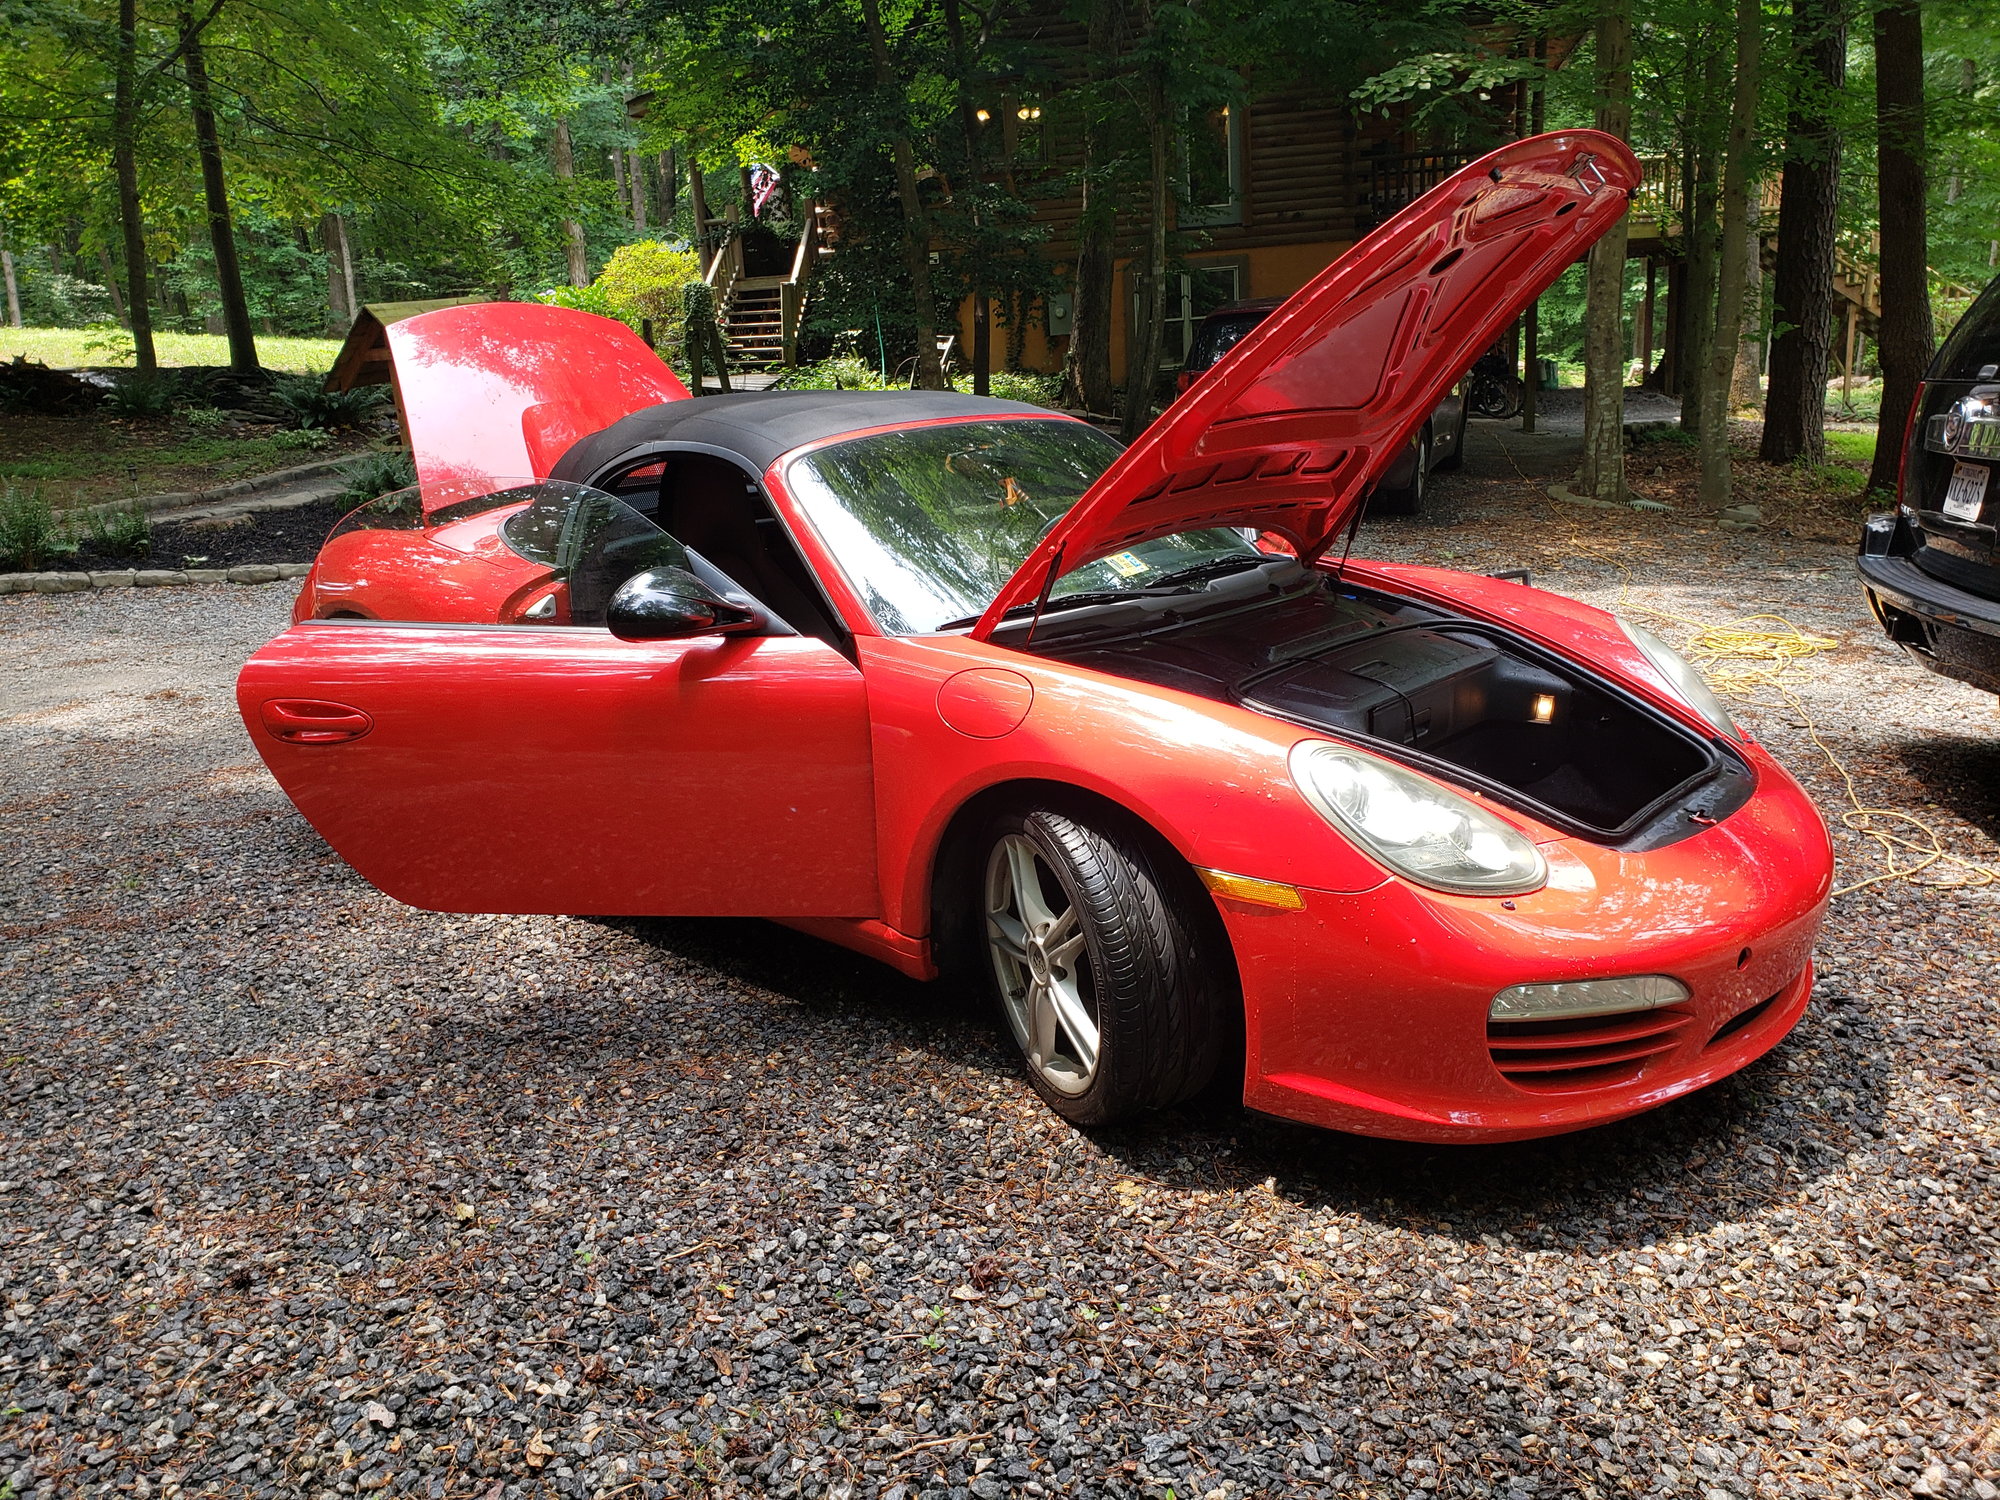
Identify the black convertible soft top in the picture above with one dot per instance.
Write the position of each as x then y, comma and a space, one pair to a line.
759, 426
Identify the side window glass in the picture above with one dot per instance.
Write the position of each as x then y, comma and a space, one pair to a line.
488, 552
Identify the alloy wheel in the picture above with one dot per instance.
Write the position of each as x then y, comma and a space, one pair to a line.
1035, 937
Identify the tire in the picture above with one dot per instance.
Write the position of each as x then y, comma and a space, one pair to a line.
1408, 501
1493, 397
1106, 940
1453, 461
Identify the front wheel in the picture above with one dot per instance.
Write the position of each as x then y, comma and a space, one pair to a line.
1099, 966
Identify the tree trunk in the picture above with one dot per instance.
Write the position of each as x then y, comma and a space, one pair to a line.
1531, 320
1736, 189
1087, 361
1808, 222
1745, 384
916, 226
111, 286
563, 160
1903, 339
221, 232
125, 164
637, 172
698, 202
1142, 350
13, 289
968, 125
1603, 473
1703, 239
339, 293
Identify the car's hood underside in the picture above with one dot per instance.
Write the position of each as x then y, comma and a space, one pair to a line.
1289, 429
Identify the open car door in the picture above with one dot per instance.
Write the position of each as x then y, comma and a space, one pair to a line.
500, 389
545, 767
1289, 429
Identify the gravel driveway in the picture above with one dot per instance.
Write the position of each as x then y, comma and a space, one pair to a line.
304, 1192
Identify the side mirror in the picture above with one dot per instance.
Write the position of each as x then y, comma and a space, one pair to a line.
665, 604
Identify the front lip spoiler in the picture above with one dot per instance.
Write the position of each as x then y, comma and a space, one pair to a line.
1910, 588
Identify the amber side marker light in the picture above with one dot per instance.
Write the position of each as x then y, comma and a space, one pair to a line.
1253, 892
1545, 707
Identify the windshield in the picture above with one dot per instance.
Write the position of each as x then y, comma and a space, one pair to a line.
929, 522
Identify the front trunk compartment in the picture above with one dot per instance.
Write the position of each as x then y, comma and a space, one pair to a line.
1467, 700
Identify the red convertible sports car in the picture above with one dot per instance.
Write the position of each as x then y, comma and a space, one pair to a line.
947, 680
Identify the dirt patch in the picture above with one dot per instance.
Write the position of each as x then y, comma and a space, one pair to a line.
271, 536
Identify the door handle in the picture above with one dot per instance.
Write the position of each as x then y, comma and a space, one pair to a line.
313, 721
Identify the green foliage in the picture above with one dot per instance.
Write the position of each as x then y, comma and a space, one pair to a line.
121, 531
309, 405
1856, 448
648, 280
840, 372
1021, 385
141, 396
50, 299
376, 474
591, 299
109, 343
30, 535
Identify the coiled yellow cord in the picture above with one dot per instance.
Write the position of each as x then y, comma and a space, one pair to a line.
1715, 649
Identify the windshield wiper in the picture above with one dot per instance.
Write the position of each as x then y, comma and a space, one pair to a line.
1214, 567
1056, 606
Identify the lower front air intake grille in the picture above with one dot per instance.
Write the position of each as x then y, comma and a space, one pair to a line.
1586, 1052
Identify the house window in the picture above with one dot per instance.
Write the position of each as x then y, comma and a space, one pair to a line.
1213, 188
1192, 294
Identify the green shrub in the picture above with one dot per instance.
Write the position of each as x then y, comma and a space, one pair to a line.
645, 280
841, 372
1023, 385
303, 439
206, 419
375, 474
138, 395
30, 535
590, 299
309, 405
126, 531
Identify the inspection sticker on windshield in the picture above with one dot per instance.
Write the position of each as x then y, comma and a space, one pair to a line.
1967, 491
1125, 565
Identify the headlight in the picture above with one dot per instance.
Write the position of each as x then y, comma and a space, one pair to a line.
1414, 826
1586, 997
1682, 678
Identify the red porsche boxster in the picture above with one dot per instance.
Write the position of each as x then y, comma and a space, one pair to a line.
951, 680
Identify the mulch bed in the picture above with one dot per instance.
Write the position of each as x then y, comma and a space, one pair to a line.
270, 536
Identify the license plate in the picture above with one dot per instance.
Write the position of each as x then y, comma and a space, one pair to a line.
1966, 492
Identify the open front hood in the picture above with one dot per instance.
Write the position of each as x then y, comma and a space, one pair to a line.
498, 390
1289, 429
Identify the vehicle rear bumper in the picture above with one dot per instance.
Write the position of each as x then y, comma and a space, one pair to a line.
1951, 630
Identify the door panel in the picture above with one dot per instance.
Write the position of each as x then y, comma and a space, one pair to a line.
563, 770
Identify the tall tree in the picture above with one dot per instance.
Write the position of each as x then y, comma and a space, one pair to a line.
1142, 350
125, 104
1603, 475
1903, 343
916, 230
1087, 361
215, 193
562, 160
1699, 228
1737, 188
1808, 227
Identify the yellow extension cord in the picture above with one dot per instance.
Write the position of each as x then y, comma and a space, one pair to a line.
1765, 656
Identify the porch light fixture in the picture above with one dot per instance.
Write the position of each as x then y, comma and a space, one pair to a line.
982, 115
1028, 112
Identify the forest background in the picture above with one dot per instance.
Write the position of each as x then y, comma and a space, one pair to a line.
264, 167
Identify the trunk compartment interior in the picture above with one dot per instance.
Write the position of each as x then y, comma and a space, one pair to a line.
1465, 696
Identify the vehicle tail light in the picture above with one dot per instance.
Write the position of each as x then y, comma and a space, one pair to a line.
1584, 1052
1182, 381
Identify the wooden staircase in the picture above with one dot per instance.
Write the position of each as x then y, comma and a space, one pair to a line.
753, 324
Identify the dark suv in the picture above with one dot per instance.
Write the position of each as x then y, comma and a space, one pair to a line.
1930, 566
1438, 445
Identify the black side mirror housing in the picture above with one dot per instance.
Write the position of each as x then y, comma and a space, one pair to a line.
666, 604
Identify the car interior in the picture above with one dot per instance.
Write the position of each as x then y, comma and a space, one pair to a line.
712, 507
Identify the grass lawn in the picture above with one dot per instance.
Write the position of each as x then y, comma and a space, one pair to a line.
64, 348
83, 460
1851, 447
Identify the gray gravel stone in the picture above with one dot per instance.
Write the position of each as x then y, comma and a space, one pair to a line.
667, 1208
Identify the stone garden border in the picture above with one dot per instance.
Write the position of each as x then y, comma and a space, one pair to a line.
147, 578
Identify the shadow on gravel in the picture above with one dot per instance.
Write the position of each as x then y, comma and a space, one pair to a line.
1960, 774
1723, 1155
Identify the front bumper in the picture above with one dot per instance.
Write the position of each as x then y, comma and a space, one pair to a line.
1367, 1012
1952, 631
